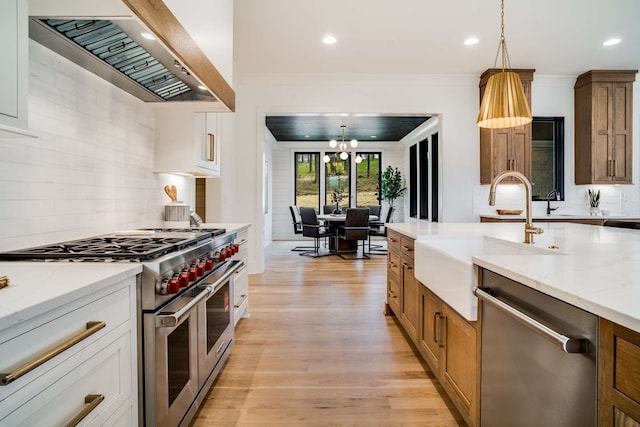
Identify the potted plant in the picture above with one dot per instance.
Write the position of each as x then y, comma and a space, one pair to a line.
336, 197
594, 201
391, 185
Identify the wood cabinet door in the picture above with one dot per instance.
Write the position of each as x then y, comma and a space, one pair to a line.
393, 294
621, 151
409, 300
430, 327
459, 364
618, 376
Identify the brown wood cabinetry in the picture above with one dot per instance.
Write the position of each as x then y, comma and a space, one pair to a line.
618, 377
409, 289
509, 148
446, 341
449, 345
402, 287
603, 115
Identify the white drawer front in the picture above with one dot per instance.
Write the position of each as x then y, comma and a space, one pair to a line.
241, 294
107, 372
113, 309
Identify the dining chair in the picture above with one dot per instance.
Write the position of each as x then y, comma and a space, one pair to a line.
328, 209
297, 228
356, 227
379, 229
375, 210
311, 227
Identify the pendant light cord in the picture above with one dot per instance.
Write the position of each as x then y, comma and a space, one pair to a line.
502, 45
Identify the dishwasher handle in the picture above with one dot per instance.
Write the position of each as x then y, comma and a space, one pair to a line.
568, 345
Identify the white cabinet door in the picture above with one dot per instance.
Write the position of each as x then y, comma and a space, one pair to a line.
14, 65
207, 134
187, 141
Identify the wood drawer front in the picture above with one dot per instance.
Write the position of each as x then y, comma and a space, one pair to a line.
393, 240
394, 264
114, 309
406, 246
107, 372
393, 294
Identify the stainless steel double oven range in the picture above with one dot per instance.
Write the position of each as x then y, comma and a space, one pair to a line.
185, 309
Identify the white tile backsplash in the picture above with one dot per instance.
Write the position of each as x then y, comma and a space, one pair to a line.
90, 171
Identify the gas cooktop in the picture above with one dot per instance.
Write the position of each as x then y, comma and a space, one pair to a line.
131, 245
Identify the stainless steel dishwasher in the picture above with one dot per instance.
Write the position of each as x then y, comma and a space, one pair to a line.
539, 358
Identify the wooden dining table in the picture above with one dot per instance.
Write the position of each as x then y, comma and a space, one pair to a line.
336, 220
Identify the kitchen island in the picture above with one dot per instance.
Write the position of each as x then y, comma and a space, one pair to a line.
592, 268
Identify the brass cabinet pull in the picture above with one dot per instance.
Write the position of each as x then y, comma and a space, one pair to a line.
438, 326
92, 401
392, 239
436, 329
212, 147
407, 248
407, 266
92, 328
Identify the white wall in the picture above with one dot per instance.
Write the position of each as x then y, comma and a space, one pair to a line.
90, 170
456, 100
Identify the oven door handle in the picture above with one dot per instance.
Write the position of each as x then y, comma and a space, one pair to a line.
172, 320
218, 281
567, 344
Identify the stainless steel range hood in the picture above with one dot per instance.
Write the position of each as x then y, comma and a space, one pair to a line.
117, 51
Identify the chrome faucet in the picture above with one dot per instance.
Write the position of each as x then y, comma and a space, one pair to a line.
529, 229
556, 195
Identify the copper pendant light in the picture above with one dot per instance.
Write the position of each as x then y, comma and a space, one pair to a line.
504, 103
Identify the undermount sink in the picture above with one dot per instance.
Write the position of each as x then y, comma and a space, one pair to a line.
444, 264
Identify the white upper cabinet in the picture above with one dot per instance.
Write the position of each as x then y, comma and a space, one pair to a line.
14, 75
188, 141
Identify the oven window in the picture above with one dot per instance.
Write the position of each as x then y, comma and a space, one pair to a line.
218, 315
178, 360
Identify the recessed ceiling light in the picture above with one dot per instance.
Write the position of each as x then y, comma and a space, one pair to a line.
201, 87
374, 136
148, 36
471, 41
306, 136
329, 40
611, 42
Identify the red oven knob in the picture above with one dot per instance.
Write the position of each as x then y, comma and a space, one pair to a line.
173, 286
200, 270
223, 255
183, 280
229, 251
236, 247
208, 264
193, 274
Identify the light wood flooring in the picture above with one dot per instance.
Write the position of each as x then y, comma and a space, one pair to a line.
318, 351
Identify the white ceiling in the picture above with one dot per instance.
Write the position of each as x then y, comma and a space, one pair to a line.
556, 37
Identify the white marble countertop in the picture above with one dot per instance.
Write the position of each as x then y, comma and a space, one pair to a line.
599, 271
37, 287
229, 226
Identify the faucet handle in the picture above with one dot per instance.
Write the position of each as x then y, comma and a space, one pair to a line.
530, 229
